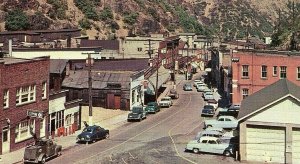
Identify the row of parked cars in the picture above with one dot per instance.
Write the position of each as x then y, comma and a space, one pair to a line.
219, 135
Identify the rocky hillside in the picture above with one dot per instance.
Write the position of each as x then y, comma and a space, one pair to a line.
108, 19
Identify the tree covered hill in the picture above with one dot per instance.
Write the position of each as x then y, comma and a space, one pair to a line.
108, 19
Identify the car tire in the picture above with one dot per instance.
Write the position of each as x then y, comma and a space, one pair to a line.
227, 153
43, 160
208, 126
140, 119
58, 153
106, 135
195, 150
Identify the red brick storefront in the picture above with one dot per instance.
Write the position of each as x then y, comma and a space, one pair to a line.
24, 87
264, 68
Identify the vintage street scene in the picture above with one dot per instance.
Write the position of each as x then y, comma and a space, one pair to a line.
150, 81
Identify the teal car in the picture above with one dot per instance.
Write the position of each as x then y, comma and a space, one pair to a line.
152, 107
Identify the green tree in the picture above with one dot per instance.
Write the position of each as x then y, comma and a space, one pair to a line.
130, 18
106, 14
85, 23
16, 20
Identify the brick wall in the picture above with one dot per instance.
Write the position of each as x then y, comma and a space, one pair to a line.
255, 60
20, 74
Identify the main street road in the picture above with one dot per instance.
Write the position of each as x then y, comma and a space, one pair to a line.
161, 138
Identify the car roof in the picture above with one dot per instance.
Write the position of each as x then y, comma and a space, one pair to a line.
150, 103
208, 138
208, 106
211, 132
166, 97
227, 117
214, 129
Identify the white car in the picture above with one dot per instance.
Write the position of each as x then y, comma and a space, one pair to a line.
210, 145
208, 96
166, 102
201, 87
196, 82
225, 122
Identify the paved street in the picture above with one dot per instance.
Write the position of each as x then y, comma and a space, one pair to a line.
161, 138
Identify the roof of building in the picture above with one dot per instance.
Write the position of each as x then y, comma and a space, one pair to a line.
58, 65
117, 65
11, 60
79, 79
105, 44
267, 96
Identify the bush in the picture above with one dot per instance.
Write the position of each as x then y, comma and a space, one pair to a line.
58, 10
16, 20
85, 23
130, 18
88, 8
106, 14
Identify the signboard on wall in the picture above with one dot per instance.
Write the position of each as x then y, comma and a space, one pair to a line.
35, 114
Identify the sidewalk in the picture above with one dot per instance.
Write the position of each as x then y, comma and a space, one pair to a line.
107, 118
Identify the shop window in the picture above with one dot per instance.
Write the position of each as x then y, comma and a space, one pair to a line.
26, 94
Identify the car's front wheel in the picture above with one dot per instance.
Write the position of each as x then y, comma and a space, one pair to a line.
196, 151
227, 153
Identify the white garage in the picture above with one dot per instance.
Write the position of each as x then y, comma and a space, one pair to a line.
266, 145
269, 124
296, 146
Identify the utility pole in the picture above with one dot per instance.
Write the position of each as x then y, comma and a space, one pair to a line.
156, 85
150, 50
187, 57
90, 83
173, 63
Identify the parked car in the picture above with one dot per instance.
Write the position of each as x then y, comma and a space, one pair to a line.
92, 134
208, 96
225, 122
152, 107
41, 150
137, 113
210, 145
206, 90
208, 110
212, 102
201, 87
197, 82
173, 94
166, 102
187, 87
230, 110
209, 133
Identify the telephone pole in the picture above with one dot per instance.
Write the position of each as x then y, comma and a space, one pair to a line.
156, 85
150, 50
90, 83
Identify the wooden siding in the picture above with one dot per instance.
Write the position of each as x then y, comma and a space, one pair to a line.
286, 111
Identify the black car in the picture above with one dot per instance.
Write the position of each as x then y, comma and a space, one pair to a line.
230, 110
208, 110
92, 134
137, 113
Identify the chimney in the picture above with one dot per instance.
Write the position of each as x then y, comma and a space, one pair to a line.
10, 47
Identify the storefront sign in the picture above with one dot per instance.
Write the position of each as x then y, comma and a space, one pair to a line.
235, 60
35, 114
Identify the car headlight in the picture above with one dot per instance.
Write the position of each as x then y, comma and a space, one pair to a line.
88, 137
40, 150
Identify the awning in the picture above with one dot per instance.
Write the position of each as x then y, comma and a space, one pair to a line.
194, 65
163, 77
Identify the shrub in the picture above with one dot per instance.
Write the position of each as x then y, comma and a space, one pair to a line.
85, 23
130, 18
106, 14
16, 20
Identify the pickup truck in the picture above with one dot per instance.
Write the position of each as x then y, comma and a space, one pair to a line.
166, 102
137, 113
41, 150
225, 122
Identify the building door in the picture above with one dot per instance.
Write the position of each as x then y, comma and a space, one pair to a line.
296, 146
117, 102
110, 101
5, 140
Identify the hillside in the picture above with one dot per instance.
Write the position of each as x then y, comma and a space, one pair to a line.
108, 19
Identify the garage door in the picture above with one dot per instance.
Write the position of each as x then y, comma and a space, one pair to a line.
296, 146
265, 144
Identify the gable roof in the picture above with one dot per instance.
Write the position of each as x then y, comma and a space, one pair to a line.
105, 44
267, 96
79, 79
58, 65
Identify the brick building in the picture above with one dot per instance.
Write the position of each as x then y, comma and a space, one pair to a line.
24, 101
254, 70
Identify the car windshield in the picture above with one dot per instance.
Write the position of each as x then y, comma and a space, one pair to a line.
40, 143
87, 130
136, 110
164, 99
218, 141
209, 93
150, 104
208, 107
